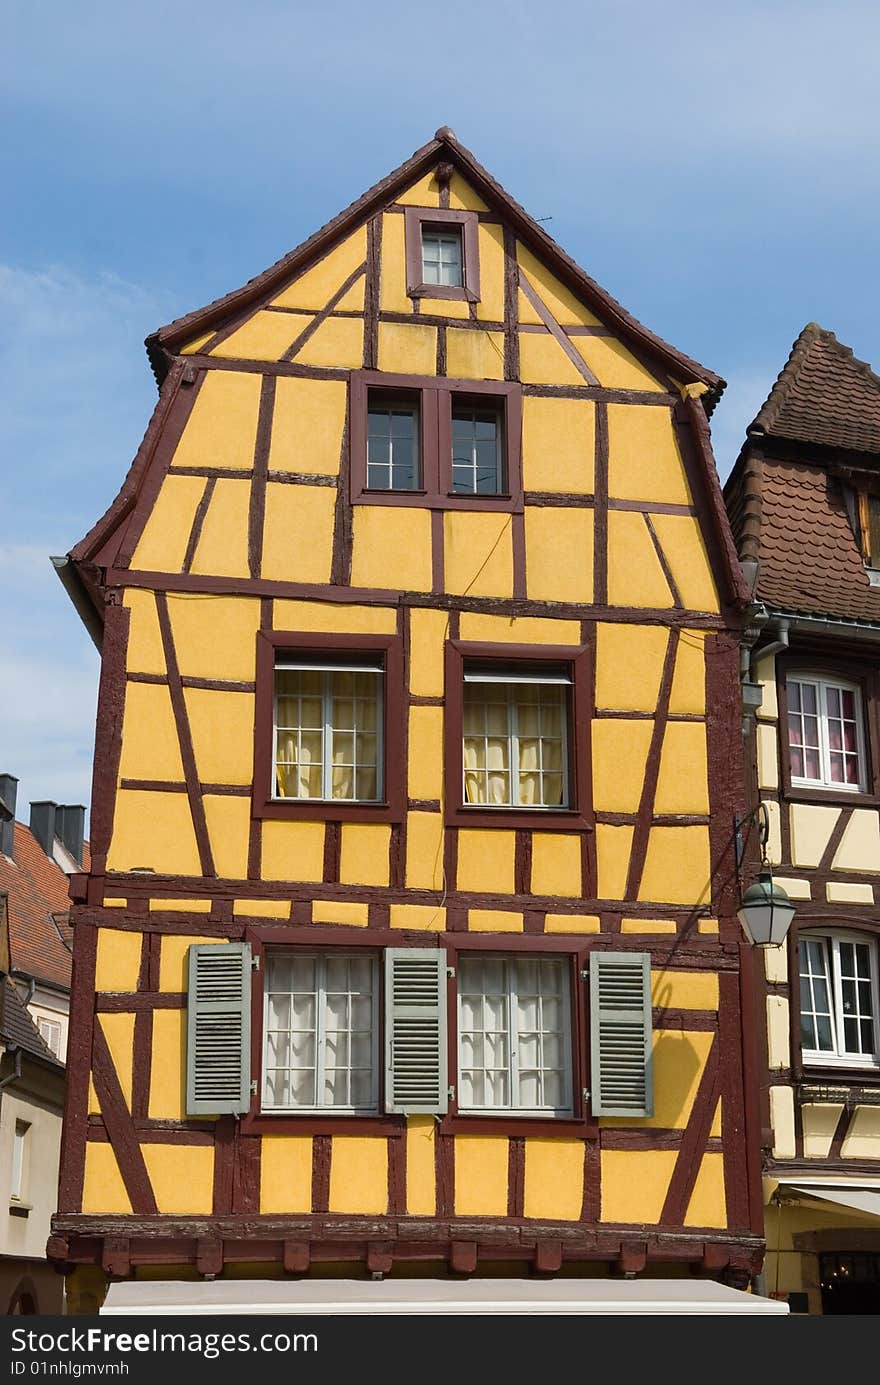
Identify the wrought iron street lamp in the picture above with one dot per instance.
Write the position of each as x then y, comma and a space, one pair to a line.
766, 911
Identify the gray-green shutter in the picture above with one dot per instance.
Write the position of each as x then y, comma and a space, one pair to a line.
415, 1030
218, 1036
620, 1034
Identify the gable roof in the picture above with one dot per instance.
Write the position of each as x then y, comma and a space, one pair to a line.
166, 341
40, 936
823, 395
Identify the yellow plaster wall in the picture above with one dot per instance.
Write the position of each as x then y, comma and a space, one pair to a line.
215, 637
222, 728
542, 360
178, 904
292, 850
182, 1177
338, 342
554, 1179
264, 337
860, 847
778, 1049
168, 1065
316, 286
684, 990
407, 349
612, 854
518, 629
688, 694
572, 923
679, 1059
307, 426
820, 1123
358, 1174
556, 864
421, 1184
676, 866
480, 1176
427, 632
423, 193
768, 759
490, 241
707, 1205
478, 553
765, 674
486, 861
644, 462
144, 652
614, 366
261, 908
155, 830
392, 282
682, 785
424, 851
119, 1032
559, 554
620, 750
629, 664
427, 918
560, 301
228, 820
221, 431
285, 1174
494, 921
222, 549
162, 545
863, 1140
118, 961
173, 975
351, 913
635, 576
811, 828
301, 616
782, 1122
682, 542
462, 196
472, 355
391, 548
363, 857
103, 1188
559, 442
298, 533
635, 1183
425, 761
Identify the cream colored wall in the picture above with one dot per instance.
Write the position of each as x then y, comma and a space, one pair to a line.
26, 1236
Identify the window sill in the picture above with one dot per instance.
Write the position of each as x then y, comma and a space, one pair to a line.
801, 793
325, 810
535, 819
435, 500
454, 291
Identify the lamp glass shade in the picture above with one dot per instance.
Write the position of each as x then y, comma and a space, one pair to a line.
766, 912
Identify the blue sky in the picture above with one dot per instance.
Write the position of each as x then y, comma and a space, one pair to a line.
715, 169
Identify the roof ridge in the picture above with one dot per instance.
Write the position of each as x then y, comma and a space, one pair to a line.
786, 381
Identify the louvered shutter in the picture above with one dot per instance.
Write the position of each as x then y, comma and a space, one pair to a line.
218, 1049
620, 1034
415, 1030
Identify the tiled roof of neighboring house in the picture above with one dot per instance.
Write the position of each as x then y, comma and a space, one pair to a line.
824, 395
40, 937
809, 559
17, 1029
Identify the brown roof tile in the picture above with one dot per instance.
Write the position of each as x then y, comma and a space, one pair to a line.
823, 395
40, 937
809, 559
17, 1029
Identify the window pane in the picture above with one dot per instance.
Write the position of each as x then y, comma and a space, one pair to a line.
476, 454
318, 1039
441, 257
392, 445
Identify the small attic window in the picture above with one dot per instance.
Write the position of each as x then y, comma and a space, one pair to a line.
863, 509
442, 253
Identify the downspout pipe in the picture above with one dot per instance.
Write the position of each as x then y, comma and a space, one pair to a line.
781, 625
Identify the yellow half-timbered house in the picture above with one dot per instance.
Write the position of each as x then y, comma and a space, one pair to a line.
409, 943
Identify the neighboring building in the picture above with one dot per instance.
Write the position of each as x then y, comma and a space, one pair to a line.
410, 940
35, 960
804, 502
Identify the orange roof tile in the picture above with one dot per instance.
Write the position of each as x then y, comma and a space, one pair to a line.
40, 937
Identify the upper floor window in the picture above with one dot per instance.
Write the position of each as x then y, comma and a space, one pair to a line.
514, 1035
328, 724
441, 256
20, 1143
839, 998
476, 449
825, 734
393, 461
50, 1033
515, 735
321, 1032
442, 253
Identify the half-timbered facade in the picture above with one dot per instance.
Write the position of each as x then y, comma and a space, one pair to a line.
804, 501
410, 933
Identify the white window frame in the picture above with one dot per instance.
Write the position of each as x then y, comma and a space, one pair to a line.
376, 667
841, 1056
441, 236
20, 1149
822, 685
508, 675
53, 1044
566, 1110
323, 1108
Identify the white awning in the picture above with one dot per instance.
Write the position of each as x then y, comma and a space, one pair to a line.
859, 1198
421, 1296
